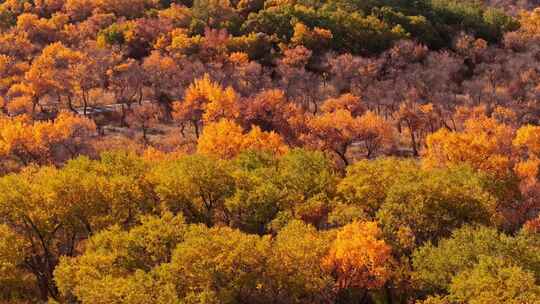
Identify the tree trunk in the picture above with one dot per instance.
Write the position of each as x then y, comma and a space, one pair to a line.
70, 104
196, 127
413, 140
85, 103
123, 121
144, 132
342, 155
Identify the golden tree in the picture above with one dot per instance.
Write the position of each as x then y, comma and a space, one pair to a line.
376, 133
359, 257
484, 144
226, 139
25, 142
206, 101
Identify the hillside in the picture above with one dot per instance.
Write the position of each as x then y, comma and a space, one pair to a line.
279, 151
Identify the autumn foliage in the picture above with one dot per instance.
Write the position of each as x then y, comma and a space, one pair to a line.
225, 139
358, 258
270, 151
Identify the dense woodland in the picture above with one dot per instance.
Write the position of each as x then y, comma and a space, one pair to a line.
279, 151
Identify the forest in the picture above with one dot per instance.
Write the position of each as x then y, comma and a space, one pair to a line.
270, 151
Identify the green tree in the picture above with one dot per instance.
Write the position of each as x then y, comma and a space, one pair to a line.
195, 185
367, 183
52, 210
307, 184
435, 204
435, 267
218, 265
256, 199
495, 281
121, 266
295, 270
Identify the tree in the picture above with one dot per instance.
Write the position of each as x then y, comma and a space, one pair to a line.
28, 142
214, 14
51, 75
367, 182
348, 102
41, 31
257, 197
43, 225
303, 176
223, 105
161, 73
126, 83
316, 39
206, 101
437, 266
411, 116
528, 138
79, 10
334, 132
484, 145
271, 111
247, 76
90, 75
298, 83
223, 139
12, 72
527, 144
294, 268
530, 25
123, 8
493, 280
226, 140
219, 265
17, 140
345, 123
359, 260
377, 133
16, 284
437, 202
195, 185
119, 265
144, 117
70, 136
48, 212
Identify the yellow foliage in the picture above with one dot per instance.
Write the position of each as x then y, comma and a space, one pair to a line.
222, 104
359, 257
182, 44
484, 145
20, 105
129, 8
256, 139
528, 137
28, 142
208, 102
152, 154
180, 15
225, 139
505, 115
315, 39
530, 23
11, 251
239, 58
528, 170
50, 73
